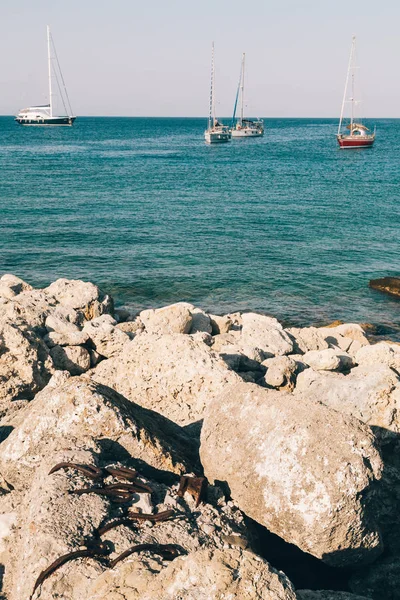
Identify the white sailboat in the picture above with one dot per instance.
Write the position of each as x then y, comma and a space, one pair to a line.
358, 135
216, 132
244, 128
44, 115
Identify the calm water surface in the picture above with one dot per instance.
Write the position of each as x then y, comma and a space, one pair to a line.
287, 224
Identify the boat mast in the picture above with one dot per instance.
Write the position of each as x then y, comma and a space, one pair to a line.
49, 63
349, 68
211, 116
242, 91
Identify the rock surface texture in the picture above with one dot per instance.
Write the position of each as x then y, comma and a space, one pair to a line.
174, 374
272, 451
111, 419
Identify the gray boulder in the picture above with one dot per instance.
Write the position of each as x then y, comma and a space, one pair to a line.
300, 469
77, 338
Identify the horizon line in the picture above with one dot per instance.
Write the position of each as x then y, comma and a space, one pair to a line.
200, 117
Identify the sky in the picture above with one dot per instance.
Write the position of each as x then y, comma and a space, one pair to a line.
152, 58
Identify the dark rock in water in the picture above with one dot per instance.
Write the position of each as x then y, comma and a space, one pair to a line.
389, 285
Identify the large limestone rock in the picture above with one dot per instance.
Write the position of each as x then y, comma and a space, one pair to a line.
175, 375
81, 295
107, 339
74, 359
370, 394
230, 574
25, 364
175, 318
29, 307
307, 338
65, 339
10, 286
300, 469
328, 360
78, 412
349, 337
383, 353
265, 334
51, 523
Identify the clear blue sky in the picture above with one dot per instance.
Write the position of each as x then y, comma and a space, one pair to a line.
125, 57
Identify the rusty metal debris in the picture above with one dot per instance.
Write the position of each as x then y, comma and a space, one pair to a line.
99, 550
115, 495
161, 516
167, 551
122, 493
97, 473
195, 486
125, 521
134, 516
90, 471
121, 473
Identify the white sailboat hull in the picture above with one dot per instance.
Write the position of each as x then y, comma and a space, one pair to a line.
217, 137
247, 132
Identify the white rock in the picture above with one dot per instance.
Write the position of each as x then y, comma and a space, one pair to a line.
328, 360
175, 375
265, 334
371, 395
80, 295
15, 284
77, 338
200, 321
58, 323
175, 318
307, 338
78, 413
230, 574
300, 469
383, 353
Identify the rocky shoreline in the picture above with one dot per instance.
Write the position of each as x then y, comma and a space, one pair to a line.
168, 454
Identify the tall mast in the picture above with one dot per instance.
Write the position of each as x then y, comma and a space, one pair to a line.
211, 117
49, 63
242, 91
349, 68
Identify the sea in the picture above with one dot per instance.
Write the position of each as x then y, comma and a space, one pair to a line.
288, 224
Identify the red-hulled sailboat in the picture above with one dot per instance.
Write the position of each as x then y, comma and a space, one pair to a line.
358, 136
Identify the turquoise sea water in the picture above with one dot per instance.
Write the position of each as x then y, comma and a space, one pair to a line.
288, 224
